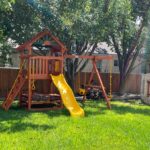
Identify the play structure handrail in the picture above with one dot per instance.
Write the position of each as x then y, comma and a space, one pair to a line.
47, 57
40, 65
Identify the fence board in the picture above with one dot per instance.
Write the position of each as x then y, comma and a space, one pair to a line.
8, 76
133, 83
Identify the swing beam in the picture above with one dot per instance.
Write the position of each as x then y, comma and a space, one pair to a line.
95, 70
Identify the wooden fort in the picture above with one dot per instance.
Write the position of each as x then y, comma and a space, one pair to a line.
41, 56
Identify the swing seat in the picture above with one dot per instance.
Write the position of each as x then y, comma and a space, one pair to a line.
81, 91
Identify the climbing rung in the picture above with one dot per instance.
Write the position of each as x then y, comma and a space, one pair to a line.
93, 86
14, 91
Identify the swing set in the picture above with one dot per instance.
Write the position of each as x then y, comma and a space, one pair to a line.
81, 86
42, 58
95, 70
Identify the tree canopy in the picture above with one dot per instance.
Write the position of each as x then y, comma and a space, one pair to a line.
5, 7
128, 33
81, 25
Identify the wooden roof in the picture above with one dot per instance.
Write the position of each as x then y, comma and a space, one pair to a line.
39, 36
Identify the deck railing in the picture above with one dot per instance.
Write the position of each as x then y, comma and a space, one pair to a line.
39, 66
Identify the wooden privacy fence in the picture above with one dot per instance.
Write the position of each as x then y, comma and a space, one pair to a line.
133, 83
8, 76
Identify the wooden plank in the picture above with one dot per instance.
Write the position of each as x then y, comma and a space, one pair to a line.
32, 66
32, 40
40, 76
47, 57
29, 82
43, 66
109, 57
46, 67
102, 85
40, 67
36, 66
50, 108
93, 86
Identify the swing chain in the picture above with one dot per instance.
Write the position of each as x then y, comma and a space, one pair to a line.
110, 80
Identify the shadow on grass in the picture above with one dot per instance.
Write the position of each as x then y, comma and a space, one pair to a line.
100, 107
16, 113
92, 103
18, 127
57, 113
94, 107
130, 109
13, 114
93, 113
11, 120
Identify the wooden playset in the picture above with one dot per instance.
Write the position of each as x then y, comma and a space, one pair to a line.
42, 58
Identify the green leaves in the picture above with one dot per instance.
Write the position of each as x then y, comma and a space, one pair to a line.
6, 5
79, 23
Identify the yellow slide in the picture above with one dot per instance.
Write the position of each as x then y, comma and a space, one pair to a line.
67, 96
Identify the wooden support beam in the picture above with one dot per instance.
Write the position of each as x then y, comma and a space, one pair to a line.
32, 40
101, 84
48, 57
29, 81
109, 57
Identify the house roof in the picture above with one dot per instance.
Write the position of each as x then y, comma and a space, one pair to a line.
104, 48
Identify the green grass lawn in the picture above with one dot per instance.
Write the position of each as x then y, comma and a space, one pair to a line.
125, 127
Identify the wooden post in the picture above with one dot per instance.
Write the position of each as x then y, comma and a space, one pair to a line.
101, 84
20, 93
61, 71
29, 80
148, 88
62, 62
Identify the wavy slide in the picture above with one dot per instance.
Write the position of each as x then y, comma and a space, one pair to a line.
67, 96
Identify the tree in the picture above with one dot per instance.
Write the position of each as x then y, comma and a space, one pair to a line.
18, 25
5, 7
146, 53
79, 24
21, 23
126, 36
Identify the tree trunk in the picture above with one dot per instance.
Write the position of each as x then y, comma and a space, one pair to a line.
70, 80
124, 73
70, 72
122, 83
123, 65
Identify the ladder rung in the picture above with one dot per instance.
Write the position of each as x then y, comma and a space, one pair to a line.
94, 86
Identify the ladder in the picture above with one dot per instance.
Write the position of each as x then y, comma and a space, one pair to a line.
18, 84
